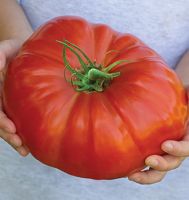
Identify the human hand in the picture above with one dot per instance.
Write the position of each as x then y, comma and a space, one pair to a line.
8, 49
176, 151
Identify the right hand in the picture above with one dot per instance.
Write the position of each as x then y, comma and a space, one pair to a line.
8, 49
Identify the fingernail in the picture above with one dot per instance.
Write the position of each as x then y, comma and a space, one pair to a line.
169, 146
23, 152
153, 162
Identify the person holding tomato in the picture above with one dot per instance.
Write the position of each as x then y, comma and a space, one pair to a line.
11, 39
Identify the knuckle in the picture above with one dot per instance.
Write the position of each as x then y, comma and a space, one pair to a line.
178, 163
174, 167
177, 166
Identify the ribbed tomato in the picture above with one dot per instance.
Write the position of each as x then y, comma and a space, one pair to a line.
103, 123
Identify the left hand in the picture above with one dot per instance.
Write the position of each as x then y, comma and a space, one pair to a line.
159, 165
8, 49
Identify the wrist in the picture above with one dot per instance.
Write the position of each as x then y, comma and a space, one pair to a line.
13, 22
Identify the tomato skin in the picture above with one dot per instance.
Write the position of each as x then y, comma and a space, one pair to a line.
98, 135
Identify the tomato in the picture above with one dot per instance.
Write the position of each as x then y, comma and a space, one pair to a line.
76, 114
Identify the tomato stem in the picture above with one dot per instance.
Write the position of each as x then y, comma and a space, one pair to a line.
91, 76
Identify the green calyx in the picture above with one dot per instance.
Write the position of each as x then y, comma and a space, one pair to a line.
91, 76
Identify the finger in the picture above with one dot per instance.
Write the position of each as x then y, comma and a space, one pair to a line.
13, 139
147, 177
6, 124
23, 150
164, 163
176, 148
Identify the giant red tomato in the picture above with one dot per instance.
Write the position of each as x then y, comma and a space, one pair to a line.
105, 121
